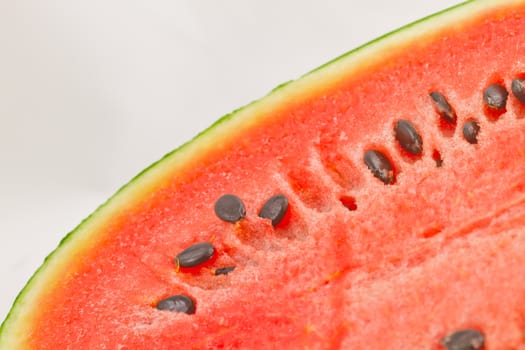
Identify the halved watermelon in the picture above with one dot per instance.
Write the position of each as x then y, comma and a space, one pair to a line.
376, 203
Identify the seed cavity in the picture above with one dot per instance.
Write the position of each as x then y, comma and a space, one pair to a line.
230, 208
195, 255
224, 270
380, 166
443, 108
349, 202
495, 97
470, 131
177, 303
465, 339
408, 137
274, 209
436, 155
518, 89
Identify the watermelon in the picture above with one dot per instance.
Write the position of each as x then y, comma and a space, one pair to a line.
377, 202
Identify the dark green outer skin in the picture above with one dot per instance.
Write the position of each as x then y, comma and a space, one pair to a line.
220, 121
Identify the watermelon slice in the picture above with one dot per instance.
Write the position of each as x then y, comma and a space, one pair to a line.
375, 203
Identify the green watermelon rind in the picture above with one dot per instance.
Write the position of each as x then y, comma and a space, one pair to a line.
445, 16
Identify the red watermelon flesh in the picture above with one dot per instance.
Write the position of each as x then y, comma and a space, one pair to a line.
355, 263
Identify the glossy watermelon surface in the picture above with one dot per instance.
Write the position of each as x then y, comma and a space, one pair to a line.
401, 164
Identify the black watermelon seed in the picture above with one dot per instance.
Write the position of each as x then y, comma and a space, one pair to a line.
177, 303
408, 137
465, 339
470, 131
195, 255
518, 89
495, 97
443, 107
224, 270
275, 208
230, 208
380, 166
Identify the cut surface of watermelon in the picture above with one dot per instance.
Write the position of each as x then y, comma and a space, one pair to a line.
395, 234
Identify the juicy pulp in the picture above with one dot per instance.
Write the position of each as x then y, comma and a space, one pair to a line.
437, 250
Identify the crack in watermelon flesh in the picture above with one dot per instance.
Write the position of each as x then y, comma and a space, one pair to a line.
355, 264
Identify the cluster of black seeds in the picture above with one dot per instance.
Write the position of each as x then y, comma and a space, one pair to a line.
495, 98
229, 208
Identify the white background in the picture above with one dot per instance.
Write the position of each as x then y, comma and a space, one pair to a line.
91, 92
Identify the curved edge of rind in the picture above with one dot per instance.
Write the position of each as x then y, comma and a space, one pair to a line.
389, 34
